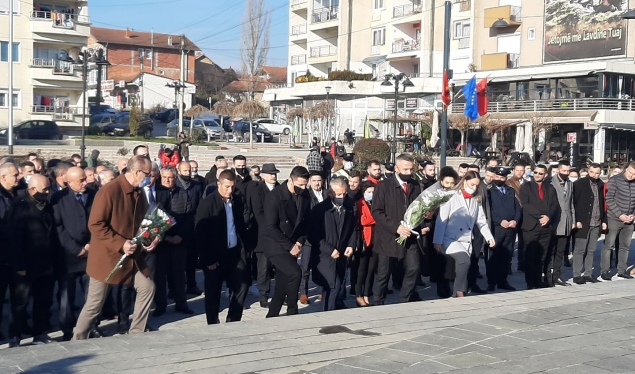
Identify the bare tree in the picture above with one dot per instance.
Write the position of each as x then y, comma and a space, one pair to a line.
539, 123
250, 109
255, 39
493, 125
462, 123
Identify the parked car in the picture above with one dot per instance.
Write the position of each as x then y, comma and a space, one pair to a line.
241, 130
225, 121
204, 129
102, 119
121, 126
35, 129
274, 126
94, 109
163, 115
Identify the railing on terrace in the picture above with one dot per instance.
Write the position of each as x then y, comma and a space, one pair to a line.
278, 85
63, 20
324, 14
298, 60
406, 10
405, 46
43, 63
298, 30
554, 105
323, 51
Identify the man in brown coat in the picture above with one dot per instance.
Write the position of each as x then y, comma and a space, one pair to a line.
116, 215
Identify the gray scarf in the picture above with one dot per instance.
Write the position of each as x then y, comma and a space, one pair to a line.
184, 183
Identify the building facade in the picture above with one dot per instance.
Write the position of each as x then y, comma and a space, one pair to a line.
44, 87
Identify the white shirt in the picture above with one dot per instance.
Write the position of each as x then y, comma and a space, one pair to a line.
148, 191
232, 238
270, 186
318, 195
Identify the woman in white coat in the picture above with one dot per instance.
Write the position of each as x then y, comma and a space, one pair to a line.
457, 218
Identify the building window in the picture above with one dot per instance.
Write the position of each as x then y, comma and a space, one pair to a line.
4, 103
379, 36
462, 29
531, 33
4, 7
148, 54
4, 52
378, 4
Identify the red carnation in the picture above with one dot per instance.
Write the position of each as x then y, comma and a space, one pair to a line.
170, 222
156, 229
146, 234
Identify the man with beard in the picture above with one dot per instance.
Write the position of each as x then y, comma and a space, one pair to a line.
193, 194
374, 172
195, 176
463, 168
426, 176
565, 223
257, 194
242, 174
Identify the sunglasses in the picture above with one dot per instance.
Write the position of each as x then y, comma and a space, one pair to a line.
539, 173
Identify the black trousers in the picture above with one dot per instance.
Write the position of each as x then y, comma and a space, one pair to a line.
521, 250
537, 256
477, 247
288, 277
386, 265
559, 245
397, 274
190, 266
41, 289
170, 269
305, 260
264, 276
5, 280
366, 264
497, 263
68, 292
233, 270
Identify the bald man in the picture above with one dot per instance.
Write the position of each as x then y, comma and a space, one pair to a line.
71, 207
121, 165
36, 259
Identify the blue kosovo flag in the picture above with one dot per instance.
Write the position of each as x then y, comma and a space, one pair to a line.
471, 104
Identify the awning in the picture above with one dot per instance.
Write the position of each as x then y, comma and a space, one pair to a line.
374, 60
558, 117
526, 77
618, 126
269, 96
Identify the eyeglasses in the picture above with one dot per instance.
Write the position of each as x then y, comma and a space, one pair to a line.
146, 174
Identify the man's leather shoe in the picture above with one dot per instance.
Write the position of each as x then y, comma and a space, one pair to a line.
14, 342
42, 339
194, 291
149, 329
591, 279
122, 328
560, 282
67, 337
95, 332
579, 280
264, 304
184, 310
491, 288
389, 291
476, 289
304, 300
415, 297
506, 286
158, 312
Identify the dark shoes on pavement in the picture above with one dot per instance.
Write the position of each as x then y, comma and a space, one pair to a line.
194, 291
625, 276
606, 276
185, 310
14, 342
42, 339
476, 289
560, 282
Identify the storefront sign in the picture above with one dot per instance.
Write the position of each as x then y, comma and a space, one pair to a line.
411, 103
572, 137
108, 85
582, 29
390, 104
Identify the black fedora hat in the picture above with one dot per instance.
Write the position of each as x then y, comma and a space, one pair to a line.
269, 169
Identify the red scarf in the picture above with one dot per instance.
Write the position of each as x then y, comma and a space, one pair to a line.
467, 195
366, 221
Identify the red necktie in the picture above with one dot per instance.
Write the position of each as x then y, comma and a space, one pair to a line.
541, 194
405, 188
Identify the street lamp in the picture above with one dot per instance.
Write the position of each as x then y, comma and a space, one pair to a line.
386, 83
99, 59
328, 120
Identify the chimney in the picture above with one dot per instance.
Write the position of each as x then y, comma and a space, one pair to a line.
152, 36
128, 33
169, 39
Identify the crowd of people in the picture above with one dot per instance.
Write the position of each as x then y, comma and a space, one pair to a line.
67, 223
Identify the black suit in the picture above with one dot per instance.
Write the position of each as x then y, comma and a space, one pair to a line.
6, 199
504, 207
256, 195
71, 220
586, 237
305, 259
212, 241
389, 205
285, 225
536, 236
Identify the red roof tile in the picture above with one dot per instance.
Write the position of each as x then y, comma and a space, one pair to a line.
139, 38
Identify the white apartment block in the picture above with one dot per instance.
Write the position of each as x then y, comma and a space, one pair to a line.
44, 87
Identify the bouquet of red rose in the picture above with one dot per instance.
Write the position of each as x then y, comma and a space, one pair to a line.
154, 225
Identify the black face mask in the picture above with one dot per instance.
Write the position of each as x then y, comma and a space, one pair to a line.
564, 177
40, 197
338, 201
498, 183
298, 190
594, 180
241, 171
256, 175
404, 177
186, 177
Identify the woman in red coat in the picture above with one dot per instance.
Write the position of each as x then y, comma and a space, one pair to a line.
365, 258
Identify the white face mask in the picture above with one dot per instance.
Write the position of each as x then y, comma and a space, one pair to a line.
469, 190
573, 179
348, 165
368, 196
27, 178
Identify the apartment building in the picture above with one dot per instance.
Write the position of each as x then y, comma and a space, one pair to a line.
44, 32
141, 63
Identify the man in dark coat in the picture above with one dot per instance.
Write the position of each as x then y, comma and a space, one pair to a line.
327, 164
286, 213
257, 195
172, 252
195, 176
219, 230
540, 214
8, 193
590, 216
333, 235
505, 214
390, 201
212, 176
36, 260
72, 208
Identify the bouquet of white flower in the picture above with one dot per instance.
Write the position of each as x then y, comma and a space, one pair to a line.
424, 203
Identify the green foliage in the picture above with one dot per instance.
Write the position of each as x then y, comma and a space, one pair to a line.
348, 75
123, 151
367, 150
135, 116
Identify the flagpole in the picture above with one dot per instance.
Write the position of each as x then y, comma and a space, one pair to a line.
446, 68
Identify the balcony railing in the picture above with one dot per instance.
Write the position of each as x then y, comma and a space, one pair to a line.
464, 43
56, 113
323, 51
298, 60
405, 46
324, 14
555, 105
298, 2
42, 63
464, 5
61, 20
298, 30
406, 10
